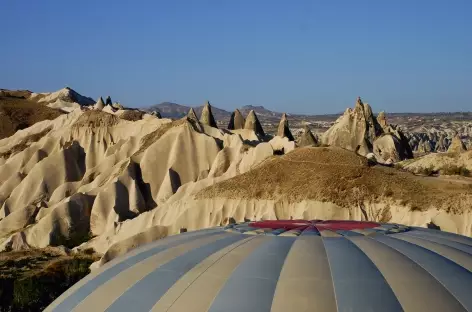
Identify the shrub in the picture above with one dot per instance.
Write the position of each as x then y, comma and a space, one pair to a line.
427, 171
34, 288
455, 170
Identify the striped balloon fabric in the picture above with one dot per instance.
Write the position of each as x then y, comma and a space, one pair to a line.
292, 265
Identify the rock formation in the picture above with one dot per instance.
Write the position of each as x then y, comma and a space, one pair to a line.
191, 115
390, 149
100, 104
307, 138
207, 117
357, 130
108, 101
457, 146
382, 120
252, 123
157, 114
236, 121
283, 130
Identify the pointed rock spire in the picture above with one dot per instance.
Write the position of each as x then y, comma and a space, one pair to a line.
457, 146
236, 121
284, 130
252, 123
99, 105
307, 138
207, 117
108, 101
191, 114
382, 120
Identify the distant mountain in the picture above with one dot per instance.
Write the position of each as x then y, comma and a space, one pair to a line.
174, 110
261, 111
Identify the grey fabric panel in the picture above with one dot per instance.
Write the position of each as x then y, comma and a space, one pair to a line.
252, 285
414, 287
358, 284
144, 294
440, 240
455, 278
81, 293
305, 280
447, 235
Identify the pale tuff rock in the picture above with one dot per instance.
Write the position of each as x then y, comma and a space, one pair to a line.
108, 101
109, 109
64, 95
252, 123
424, 146
192, 115
99, 105
284, 131
457, 146
307, 138
382, 120
358, 129
236, 121
389, 149
355, 130
207, 116
441, 144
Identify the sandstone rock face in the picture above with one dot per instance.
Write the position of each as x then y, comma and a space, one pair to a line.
236, 121
207, 116
252, 123
388, 147
357, 130
192, 115
100, 104
307, 138
283, 130
90, 172
457, 146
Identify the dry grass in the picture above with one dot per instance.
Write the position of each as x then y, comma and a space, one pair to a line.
152, 137
338, 176
16, 113
132, 115
94, 119
30, 280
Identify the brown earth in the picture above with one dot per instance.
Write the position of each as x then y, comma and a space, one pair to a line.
339, 176
17, 112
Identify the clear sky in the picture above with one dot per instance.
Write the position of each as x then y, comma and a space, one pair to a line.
300, 56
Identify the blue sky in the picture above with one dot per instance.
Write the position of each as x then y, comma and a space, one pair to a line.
304, 56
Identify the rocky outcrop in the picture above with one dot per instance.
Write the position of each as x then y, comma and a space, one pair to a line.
283, 130
307, 138
236, 121
389, 149
157, 114
457, 146
108, 101
207, 116
357, 130
100, 104
191, 115
252, 123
